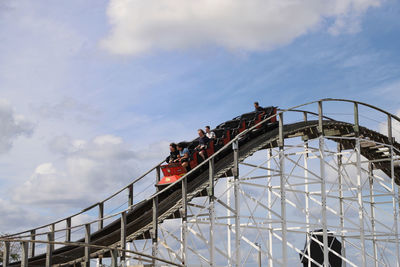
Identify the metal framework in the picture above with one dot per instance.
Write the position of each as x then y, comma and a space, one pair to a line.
266, 210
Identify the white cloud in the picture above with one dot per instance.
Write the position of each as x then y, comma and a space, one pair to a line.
11, 126
141, 26
89, 171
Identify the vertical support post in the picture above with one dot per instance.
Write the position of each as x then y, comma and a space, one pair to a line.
130, 195
49, 250
184, 221
307, 192
360, 202
123, 235
235, 147
211, 209
395, 195
323, 185
155, 230
341, 203
100, 226
270, 231
114, 257
32, 247
6, 254
24, 256
372, 206
68, 230
86, 263
228, 221
282, 190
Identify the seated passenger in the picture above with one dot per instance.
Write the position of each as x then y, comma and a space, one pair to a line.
257, 107
203, 143
183, 156
173, 153
209, 134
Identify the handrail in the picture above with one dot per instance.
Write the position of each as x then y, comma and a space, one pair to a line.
237, 137
90, 207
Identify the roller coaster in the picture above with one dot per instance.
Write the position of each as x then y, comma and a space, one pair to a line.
310, 185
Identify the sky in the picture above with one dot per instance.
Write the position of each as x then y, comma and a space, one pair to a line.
92, 91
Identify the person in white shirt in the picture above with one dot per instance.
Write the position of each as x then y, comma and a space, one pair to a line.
210, 134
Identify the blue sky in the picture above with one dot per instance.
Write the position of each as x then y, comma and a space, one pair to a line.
95, 90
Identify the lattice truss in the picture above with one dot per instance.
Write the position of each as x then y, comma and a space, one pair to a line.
281, 195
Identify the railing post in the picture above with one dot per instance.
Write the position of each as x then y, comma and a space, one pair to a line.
32, 247
123, 235
130, 195
24, 254
6, 254
158, 173
211, 209
235, 147
68, 230
356, 120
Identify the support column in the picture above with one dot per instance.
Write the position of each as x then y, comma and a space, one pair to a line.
237, 202
307, 194
323, 186
341, 203
184, 221
100, 226
360, 203
24, 255
359, 185
394, 194
154, 236
86, 263
372, 206
155, 220
6, 254
211, 210
282, 190
49, 250
228, 221
270, 231
114, 258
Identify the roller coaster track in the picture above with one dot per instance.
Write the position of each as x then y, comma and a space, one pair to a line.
139, 220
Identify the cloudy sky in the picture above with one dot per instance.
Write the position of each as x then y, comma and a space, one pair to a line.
92, 91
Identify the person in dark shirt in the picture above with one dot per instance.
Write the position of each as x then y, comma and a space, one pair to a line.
257, 107
203, 144
183, 156
173, 153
